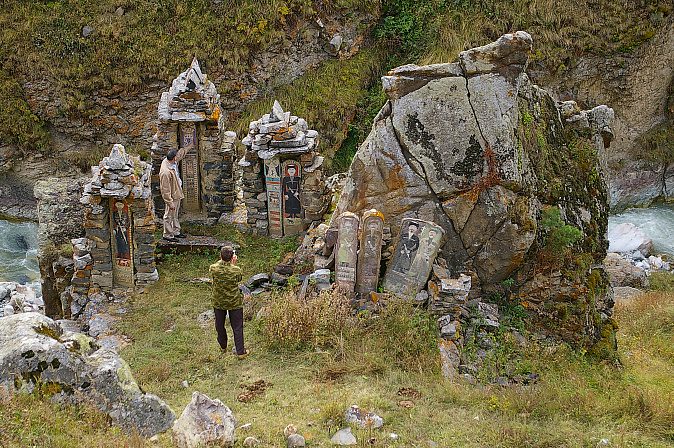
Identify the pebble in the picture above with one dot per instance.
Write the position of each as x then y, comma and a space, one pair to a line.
296, 440
290, 430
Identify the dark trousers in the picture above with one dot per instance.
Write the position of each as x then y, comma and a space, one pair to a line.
236, 321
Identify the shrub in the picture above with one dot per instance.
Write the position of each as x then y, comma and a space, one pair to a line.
316, 322
559, 235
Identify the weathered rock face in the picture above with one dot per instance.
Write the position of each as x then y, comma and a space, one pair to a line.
477, 149
36, 351
640, 87
60, 219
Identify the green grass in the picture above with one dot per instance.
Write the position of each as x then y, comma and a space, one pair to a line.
344, 360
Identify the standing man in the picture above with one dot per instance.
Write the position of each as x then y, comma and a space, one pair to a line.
227, 298
171, 189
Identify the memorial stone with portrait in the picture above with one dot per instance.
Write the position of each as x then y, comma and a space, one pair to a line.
413, 257
346, 250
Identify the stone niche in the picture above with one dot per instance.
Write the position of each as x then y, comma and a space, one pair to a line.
117, 250
283, 185
189, 117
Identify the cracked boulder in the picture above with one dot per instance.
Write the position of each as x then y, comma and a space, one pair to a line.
36, 352
477, 149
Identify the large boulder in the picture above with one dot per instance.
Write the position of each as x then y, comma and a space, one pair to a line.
513, 178
36, 351
622, 273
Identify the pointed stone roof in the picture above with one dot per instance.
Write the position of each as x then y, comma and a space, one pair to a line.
191, 98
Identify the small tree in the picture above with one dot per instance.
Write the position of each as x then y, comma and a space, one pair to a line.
560, 236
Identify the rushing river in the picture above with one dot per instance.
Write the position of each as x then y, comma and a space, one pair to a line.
18, 253
656, 221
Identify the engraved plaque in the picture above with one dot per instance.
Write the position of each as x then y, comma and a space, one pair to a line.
272, 168
190, 168
347, 246
412, 259
122, 256
290, 189
369, 256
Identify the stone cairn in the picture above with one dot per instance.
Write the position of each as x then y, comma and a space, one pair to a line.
189, 115
122, 177
275, 139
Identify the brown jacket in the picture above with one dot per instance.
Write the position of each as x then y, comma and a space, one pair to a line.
168, 181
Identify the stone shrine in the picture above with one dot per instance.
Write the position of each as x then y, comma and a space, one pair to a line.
413, 257
283, 186
189, 117
118, 247
346, 251
369, 256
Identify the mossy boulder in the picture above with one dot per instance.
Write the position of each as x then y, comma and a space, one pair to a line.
514, 178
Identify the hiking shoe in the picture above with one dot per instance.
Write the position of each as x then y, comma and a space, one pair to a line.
243, 355
181, 235
223, 350
171, 240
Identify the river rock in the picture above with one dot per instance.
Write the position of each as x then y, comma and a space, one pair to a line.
204, 422
35, 350
627, 238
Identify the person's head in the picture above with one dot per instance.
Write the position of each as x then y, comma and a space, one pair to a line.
226, 253
171, 154
412, 228
119, 205
432, 233
291, 170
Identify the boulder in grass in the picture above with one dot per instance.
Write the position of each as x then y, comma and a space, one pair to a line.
35, 350
204, 422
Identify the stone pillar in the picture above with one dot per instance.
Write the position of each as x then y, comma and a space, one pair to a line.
369, 256
346, 251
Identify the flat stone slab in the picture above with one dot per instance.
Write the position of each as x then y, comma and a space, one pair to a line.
193, 243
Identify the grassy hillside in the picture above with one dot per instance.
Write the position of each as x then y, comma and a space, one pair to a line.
319, 360
136, 42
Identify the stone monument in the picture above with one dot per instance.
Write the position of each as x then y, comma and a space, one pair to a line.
369, 256
189, 117
118, 247
346, 251
413, 257
283, 186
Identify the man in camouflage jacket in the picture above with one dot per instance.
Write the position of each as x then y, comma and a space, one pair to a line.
227, 298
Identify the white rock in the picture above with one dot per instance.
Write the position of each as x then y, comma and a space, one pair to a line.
627, 237
344, 437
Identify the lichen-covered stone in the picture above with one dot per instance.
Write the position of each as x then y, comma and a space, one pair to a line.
35, 350
477, 149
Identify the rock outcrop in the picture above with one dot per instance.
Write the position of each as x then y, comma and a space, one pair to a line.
36, 352
639, 85
513, 178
